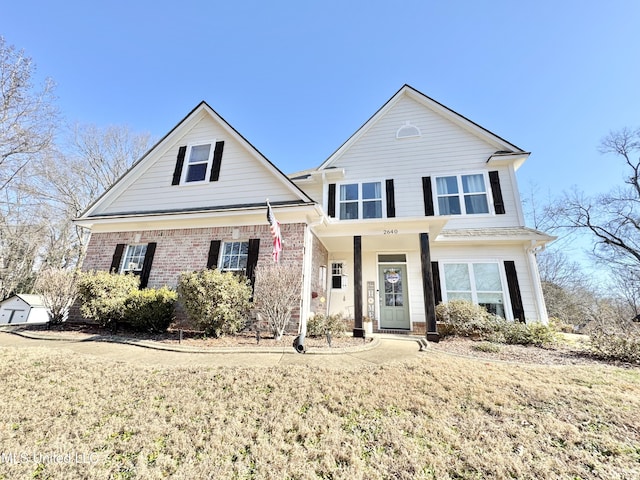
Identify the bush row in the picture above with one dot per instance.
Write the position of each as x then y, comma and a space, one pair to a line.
110, 299
465, 319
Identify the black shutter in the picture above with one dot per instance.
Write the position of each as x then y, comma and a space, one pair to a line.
252, 259
177, 173
427, 196
437, 289
214, 253
331, 202
146, 265
217, 161
498, 203
117, 258
391, 199
514, 290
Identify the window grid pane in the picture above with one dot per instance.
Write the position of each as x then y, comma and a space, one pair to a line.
234, 257
134, 258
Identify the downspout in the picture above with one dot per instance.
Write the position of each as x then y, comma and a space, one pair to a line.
305, 310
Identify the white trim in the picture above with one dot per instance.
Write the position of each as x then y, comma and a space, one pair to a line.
508, 310
187, 156
221, 255
360, 200
408, 126
406, 292
461, 194
123, 260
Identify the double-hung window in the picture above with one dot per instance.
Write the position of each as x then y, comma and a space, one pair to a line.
360, 200
134, 259
198, 161
480, 283
462, 194
234, 257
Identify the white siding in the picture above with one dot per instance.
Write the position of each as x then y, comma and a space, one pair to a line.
243, 179
443, 149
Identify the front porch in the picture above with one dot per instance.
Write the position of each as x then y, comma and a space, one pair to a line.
382, 275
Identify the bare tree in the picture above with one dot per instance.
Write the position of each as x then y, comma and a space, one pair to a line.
277, 293
612, 218
21, 235
27, 113
70, 182
58, 289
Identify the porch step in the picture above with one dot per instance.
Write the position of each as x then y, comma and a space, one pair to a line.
393, 332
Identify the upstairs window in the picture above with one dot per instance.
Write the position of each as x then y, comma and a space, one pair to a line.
234, 257
462, 195
134, 259
198, 160
360, 200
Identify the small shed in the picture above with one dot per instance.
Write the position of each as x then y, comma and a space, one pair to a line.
23, 309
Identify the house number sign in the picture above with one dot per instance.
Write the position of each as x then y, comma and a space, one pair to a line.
391, 231
371, 300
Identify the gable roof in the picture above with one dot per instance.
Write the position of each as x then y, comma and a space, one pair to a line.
34, 301
501, 144
169, 140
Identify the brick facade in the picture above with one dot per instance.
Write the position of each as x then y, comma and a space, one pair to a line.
187, 249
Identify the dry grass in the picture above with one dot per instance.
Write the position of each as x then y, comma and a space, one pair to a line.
434, 417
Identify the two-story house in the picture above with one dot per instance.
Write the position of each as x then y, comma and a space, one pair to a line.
419, 206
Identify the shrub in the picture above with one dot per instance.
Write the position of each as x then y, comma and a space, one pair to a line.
277, 293
621, 343
464, 319
150, 310
488, 347
320, 324
103, 294
516, 333
58, 289
217, 302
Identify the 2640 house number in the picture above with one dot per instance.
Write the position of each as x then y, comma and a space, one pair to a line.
392, 231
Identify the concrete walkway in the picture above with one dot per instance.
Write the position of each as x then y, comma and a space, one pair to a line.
384, 349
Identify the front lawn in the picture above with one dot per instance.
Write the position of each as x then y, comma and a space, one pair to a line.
438, 416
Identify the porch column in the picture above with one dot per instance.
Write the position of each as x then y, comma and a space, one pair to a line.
427, 289
358, 331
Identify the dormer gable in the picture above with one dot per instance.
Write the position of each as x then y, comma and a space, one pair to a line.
202, 163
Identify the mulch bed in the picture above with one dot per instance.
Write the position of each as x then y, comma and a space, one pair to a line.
192, 338
561, 354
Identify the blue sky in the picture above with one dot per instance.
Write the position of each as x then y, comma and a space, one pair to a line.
298, 78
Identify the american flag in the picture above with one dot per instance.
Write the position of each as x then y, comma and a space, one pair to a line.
275, 233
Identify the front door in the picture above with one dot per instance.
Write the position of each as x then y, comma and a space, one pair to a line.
394, 306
